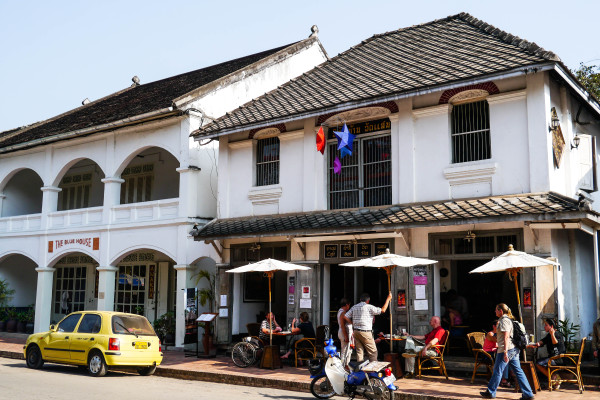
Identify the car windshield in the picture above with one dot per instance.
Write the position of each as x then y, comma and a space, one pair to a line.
131, 324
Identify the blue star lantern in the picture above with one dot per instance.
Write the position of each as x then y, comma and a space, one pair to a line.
345, 138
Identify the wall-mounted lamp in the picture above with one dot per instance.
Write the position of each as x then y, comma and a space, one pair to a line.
575, 142
554, 121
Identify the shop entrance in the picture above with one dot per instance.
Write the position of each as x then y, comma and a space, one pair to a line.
135, 289
482, 293
350, 283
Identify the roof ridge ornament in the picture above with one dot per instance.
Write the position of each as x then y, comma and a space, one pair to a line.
135, 80
314, 31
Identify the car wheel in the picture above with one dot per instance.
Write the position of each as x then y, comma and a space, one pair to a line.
96, 364
147, 371
34, 357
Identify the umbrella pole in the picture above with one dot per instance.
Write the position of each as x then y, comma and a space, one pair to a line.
515, 274
269, 275
389, 274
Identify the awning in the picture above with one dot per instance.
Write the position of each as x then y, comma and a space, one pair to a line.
547, 206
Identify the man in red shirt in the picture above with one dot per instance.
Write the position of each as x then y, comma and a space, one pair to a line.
417, 344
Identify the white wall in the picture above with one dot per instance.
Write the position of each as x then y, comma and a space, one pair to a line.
23, 195
19, 272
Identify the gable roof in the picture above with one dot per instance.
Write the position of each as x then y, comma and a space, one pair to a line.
134, 101
450, 50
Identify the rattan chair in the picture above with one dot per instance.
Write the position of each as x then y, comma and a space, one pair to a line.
571, 366
482, 357
438, 360
253, 329
304, 350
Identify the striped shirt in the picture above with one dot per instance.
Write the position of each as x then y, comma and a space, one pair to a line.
362, 314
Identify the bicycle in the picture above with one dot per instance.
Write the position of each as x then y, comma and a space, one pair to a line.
247, 352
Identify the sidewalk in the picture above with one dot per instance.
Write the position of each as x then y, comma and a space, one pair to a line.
222, 370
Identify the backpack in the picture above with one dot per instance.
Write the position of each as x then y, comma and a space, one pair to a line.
519, 338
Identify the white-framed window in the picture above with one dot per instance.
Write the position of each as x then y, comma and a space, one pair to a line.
586, 154
138, 184
70, 285
75, 192
366, 176
470, 132
267, 161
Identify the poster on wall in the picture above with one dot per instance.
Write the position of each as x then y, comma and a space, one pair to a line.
527, 303
401, 298
420, 275
306, 292
420, 292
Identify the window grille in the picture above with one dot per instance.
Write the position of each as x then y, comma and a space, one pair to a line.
138, 184
75, 192
366, 176
471, 132
267, 161
69, 293
130, 289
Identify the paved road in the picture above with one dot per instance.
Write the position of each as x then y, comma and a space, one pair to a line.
65, 382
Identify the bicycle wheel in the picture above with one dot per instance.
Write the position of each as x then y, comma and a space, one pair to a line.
321, 388
382, 392
243, 354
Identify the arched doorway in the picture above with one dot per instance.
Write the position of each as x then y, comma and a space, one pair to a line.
22, 194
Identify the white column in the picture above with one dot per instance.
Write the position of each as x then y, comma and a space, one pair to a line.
188, 193
49, 202
236, 303
43, 299
2, 197
396, 145
405, 149
539, 139
106, 288
183, 272
112, 195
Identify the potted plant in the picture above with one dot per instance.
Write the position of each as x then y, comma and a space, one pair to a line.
22, 318
3, 319
206, 296
569, 330
165, 327
30, 319
11, 323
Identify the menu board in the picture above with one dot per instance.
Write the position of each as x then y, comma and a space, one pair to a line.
364, 249
380, 248
331, 250
347, 250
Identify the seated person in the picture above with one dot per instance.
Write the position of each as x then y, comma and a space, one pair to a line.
490, 345
555, 344
304, 328
267, 326
415, 347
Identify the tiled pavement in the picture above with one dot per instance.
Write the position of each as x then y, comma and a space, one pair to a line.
221, 369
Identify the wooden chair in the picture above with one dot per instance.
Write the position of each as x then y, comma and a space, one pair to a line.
574, 369
304, 350
482, 357
322, 334
437, 360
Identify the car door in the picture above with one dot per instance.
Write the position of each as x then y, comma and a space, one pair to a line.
86, 336
58, 345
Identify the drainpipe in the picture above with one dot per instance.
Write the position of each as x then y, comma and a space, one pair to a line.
597, 273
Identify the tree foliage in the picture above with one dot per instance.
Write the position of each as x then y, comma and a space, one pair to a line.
589, 76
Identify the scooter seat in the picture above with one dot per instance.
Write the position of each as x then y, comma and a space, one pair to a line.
358, 365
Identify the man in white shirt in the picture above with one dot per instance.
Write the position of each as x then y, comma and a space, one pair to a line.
361, 317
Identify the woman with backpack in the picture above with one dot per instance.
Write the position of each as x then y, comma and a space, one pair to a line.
507, 355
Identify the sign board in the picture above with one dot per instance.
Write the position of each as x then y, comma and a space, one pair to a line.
331, 251
74, 243
364, 250
347, 250
380, 248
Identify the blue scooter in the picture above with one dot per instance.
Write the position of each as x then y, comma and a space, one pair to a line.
373, 380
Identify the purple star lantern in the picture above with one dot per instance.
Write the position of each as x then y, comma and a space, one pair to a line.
337, 166
345, 138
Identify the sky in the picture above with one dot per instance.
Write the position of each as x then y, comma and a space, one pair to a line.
54, 54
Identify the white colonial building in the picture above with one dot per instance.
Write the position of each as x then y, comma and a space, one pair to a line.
457, 154
97, 203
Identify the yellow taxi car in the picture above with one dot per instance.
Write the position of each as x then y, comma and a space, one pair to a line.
98, 340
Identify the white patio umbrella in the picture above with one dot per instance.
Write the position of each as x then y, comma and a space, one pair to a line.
269, 266
388, 262
512, 262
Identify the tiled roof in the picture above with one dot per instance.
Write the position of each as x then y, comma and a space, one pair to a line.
388, 217
453, 49
130, 102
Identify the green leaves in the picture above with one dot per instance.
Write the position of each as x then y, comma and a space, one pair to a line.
589, 76
568, 330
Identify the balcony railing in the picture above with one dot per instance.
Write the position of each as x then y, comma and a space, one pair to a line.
146, 211
75, 218
21, 223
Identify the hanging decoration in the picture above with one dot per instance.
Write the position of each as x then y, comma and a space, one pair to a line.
321, 140
337, 166
345, 152
345, 138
